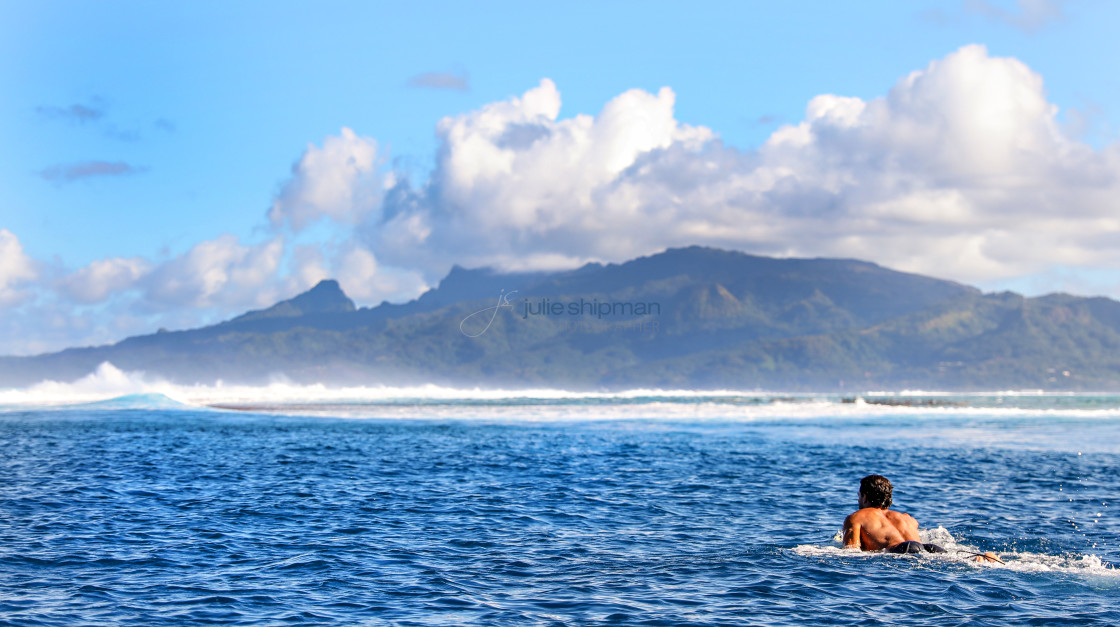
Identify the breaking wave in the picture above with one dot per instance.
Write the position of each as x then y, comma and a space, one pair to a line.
137, 390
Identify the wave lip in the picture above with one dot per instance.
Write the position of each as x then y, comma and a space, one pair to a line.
149, 400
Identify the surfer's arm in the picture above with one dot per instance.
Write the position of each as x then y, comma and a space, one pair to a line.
851, 534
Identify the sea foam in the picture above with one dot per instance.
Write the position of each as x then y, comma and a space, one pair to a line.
1025, 562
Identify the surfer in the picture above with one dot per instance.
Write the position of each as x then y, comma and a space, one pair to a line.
875, 527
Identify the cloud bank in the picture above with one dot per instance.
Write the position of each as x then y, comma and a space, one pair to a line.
961, 170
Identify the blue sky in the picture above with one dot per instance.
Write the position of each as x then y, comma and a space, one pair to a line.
172, 164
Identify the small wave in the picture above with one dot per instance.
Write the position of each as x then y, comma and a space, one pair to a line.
1025, 562
105, 384
138, 401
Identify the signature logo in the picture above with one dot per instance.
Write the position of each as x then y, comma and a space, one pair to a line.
503, 301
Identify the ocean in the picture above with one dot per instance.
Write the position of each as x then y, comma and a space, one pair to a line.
291, 505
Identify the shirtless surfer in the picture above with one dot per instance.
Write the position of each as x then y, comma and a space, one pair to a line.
876, 528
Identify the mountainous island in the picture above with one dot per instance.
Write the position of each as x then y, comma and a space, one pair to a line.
685, 318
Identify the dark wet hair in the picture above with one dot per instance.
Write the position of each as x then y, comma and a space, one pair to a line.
877, 490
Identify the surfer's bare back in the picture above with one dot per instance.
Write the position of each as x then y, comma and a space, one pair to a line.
875, 527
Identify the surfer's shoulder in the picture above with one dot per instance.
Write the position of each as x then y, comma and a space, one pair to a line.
864, 517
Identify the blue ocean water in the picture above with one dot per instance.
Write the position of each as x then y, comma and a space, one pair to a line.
639, 509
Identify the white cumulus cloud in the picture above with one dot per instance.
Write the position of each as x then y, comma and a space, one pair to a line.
16, 269
221, 272
103, 278
515, 186
960, 171
342, 180
363, 278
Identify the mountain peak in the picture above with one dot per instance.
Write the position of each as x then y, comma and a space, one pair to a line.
326, 291
326, 297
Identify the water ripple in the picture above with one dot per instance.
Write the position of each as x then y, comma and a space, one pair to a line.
153, 518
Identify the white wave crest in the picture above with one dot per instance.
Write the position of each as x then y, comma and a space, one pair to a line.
106, 382
433, 401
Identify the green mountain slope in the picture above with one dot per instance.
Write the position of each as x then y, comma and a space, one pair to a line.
691, 317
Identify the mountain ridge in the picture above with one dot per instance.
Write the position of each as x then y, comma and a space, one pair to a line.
722, 319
